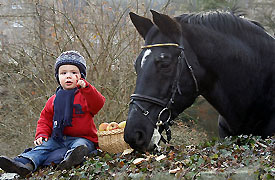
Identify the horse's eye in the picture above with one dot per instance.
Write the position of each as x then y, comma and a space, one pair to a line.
163, 61
164, 65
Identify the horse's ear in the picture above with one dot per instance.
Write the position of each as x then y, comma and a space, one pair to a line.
166, 24
142, 24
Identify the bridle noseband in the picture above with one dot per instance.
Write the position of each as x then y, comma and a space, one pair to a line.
164, 125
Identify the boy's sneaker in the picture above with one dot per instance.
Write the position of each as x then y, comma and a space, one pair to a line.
12, 166
75, 158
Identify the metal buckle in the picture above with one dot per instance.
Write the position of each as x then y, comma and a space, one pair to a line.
145, 113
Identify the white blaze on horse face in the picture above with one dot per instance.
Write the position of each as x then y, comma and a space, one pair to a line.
146, 53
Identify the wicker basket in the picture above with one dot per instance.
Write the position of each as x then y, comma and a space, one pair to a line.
112, 141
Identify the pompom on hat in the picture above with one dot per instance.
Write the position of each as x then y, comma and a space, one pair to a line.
73, 58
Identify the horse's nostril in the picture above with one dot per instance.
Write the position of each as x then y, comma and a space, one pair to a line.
136, 139
140, 138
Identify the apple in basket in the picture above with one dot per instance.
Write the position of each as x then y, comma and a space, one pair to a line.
122, 125
103, 126
111, 126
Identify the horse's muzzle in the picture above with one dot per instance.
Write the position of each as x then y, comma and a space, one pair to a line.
136, 139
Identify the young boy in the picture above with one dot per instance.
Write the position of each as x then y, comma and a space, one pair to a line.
66, 120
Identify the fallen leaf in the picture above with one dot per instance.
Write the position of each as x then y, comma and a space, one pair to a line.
160, 157
138, 161
173, 171
121, 164
127, 151
171, 155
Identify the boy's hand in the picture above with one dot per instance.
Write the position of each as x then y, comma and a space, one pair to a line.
81, 83
39, 141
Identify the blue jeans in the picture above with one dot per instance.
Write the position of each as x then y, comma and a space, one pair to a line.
40, 153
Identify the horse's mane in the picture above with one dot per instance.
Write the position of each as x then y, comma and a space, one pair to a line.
225, 22
251, 40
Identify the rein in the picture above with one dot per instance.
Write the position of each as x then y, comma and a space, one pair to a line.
166, 105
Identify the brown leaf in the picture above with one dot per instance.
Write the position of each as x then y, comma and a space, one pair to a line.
121, 164
171, 155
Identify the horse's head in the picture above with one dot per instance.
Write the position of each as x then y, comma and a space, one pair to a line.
166, 83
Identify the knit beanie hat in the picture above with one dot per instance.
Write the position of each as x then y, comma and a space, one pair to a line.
73, 58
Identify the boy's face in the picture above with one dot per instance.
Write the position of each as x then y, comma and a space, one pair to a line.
68, 76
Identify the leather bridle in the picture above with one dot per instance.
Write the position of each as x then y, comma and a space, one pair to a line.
135, 98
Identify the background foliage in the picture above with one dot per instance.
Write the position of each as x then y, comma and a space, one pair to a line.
102, 32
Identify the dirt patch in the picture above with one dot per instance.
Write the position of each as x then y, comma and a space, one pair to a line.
188, 133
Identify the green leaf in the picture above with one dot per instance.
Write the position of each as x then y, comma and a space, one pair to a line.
215, 156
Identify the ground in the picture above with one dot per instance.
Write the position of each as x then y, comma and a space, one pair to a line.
191, 155
188, 133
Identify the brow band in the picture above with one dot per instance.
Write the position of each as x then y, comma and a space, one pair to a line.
159, 45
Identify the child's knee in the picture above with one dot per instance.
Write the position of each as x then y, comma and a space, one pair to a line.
82, 141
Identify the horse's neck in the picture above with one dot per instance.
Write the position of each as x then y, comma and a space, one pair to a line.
226, 82
232, 86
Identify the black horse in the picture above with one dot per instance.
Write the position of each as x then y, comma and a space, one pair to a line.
228, 60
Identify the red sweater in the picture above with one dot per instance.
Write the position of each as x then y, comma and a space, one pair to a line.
87, 102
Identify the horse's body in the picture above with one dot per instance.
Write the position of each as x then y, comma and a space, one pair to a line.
233, 68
